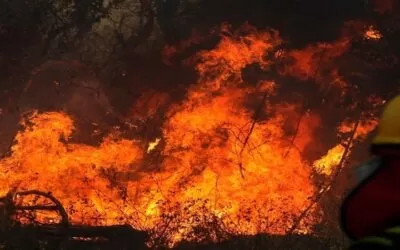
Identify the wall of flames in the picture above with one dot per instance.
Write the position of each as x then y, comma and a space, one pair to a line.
219, 160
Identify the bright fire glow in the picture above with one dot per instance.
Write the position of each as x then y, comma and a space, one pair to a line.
327, 164
153, 145
217, 161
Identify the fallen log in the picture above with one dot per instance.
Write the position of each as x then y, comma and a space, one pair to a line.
107, 232
72, 237
62, 235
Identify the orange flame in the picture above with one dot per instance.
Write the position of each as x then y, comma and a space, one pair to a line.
221, 159
308, 60
327, 164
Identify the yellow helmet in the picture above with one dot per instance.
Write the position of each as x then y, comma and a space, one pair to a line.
389, 124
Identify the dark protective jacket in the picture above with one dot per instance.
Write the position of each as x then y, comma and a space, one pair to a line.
374, 205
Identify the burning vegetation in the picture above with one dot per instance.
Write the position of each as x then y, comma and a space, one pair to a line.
244, 149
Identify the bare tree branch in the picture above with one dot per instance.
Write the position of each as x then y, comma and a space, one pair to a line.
58, 206
257, 113
327, 187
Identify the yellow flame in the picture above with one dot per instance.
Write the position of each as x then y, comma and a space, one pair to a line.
153, 145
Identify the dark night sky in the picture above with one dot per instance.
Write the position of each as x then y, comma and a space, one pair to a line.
301, 22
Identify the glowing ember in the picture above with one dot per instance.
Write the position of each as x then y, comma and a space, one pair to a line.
372, 34
223, 163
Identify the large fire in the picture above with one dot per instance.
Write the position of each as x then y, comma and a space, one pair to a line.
229, 155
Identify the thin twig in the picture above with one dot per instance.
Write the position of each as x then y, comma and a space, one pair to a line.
216, 191
295, 133
37, 207
253, 124
58, 206
331, 183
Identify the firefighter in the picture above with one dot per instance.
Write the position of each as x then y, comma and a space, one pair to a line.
370, 214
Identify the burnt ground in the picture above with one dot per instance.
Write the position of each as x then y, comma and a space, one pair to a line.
29, 238
268, 242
